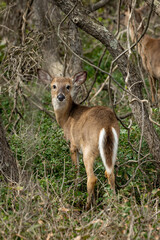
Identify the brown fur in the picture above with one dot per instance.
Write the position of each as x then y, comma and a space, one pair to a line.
82, 126
148, 49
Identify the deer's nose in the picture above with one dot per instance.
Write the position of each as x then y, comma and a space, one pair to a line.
60, 97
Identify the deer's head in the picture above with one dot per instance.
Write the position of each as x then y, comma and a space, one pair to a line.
62, 88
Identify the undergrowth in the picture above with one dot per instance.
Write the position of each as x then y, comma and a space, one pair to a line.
51, 204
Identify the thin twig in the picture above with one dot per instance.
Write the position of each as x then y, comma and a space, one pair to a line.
118, 18
24, 17
150, 118
96, 74
134, 174
39, 107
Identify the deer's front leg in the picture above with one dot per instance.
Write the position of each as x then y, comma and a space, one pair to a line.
74, 155
75, 160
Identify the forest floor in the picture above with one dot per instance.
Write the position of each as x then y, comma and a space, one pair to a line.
50, 205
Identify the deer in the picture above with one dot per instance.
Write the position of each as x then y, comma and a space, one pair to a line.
148, 49
92, 131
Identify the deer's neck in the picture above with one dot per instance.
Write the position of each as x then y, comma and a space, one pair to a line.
63, 114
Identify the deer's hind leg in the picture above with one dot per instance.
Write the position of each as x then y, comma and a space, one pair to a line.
111, 179
88, 159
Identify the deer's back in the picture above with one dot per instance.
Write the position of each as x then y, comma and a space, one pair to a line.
151, 55
86, 123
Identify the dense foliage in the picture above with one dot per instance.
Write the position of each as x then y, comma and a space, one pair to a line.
49, 202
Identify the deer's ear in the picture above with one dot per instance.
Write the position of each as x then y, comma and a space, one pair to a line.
44, 76
79, 78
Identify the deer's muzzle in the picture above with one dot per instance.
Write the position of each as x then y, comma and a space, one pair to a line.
60, 97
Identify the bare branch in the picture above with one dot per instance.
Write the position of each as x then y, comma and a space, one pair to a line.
96, 6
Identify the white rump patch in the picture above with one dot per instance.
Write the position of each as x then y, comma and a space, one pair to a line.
102, 138
115, 146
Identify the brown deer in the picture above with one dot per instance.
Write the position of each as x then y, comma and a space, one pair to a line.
148, 49
90, 130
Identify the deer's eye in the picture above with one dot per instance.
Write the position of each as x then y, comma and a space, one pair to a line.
54, 86
68, 87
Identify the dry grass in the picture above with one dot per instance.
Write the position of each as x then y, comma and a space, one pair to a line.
32, 212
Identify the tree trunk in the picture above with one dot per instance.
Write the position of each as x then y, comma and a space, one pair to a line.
79, 16
47, 21
8, 165
51, 59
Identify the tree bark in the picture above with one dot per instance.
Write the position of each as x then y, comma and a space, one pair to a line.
51, 58
156, 7
8, 165
12, 20
47, 21
76, 46
85, 22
